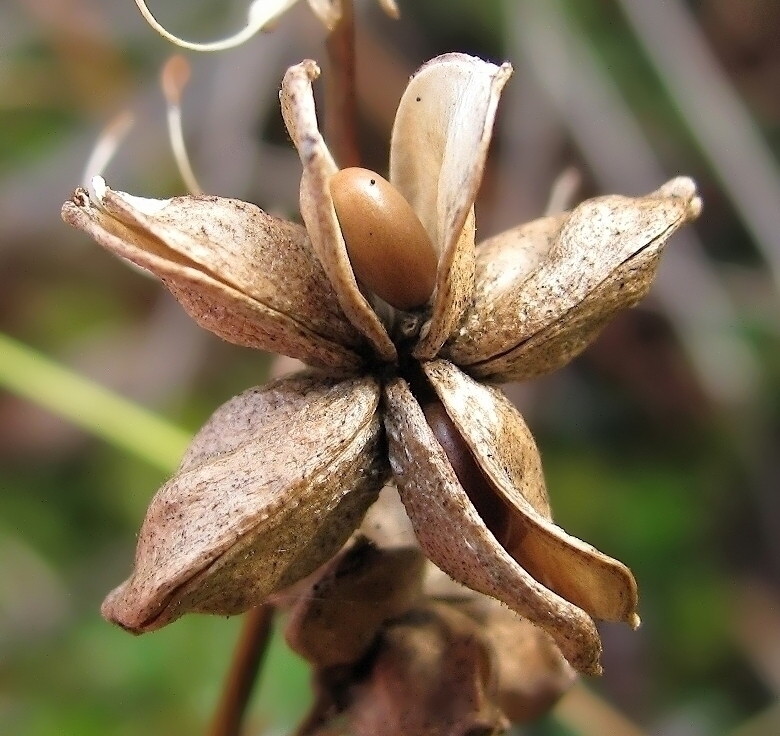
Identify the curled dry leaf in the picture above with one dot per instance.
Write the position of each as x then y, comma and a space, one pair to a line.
279, 478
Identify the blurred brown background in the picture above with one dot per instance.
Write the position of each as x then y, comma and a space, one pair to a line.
661, 443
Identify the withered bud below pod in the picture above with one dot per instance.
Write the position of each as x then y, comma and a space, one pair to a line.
337, 618
395, 657
433, 675
532, 672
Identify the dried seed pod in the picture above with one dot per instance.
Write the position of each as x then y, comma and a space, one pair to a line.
490, 489
577, 572
438, 151
532, 673
433, 674
566, 277
387, 244
490, 506
269, 490
248, 296
317, 210
436, 504
338, 617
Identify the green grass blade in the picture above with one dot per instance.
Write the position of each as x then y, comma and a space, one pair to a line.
129, 427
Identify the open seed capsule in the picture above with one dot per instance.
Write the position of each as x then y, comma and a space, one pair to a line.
390, 252
599, 585
489, 505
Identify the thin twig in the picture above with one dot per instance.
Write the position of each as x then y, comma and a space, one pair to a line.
340, 90
243, 672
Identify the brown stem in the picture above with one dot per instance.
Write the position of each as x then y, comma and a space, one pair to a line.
340, 90
243, 672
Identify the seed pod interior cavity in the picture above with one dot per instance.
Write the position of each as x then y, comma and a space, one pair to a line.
390, 252
600, 586
488, 503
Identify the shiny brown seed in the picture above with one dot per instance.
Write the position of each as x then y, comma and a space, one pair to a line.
390, 252
489, 505
546, 562
505, 524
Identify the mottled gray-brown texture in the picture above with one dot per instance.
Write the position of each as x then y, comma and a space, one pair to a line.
258, 502
271, 295
281, 476
609, 241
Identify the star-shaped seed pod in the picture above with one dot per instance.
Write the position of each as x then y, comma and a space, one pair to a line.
280, 476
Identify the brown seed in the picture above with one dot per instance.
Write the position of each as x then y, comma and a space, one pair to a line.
553, 566
489, 505
390, 252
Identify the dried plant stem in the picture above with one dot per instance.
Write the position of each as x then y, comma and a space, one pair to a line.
243, 672
340, 90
